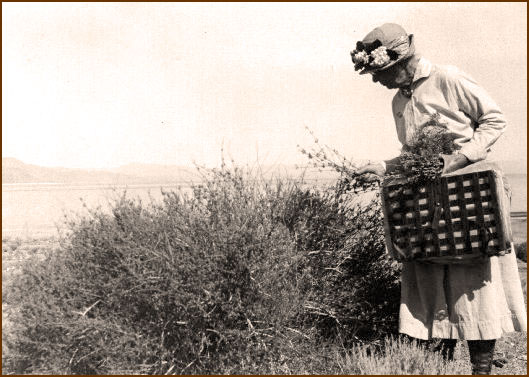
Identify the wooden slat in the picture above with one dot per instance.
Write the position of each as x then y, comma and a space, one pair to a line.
485, 174
449, 235
479, 209
475, 238
463, 213
417, 218
435, 239
447, 215
408, 223
497, 211
470, 212
472, 200
455, 190
457, 225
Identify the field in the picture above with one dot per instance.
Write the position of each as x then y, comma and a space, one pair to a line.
238, 280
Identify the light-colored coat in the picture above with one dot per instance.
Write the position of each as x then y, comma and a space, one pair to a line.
471, 302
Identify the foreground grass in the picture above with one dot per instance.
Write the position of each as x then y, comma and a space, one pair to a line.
305, 356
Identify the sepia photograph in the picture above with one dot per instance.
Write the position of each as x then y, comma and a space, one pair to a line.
264, 188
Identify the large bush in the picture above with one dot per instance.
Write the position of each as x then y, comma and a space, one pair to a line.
227, 279
355, 287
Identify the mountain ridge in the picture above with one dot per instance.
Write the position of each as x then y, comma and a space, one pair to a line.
16, 171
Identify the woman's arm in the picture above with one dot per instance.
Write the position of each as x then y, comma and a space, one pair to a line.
475, 102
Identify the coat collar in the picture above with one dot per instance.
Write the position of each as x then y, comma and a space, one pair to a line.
424, 68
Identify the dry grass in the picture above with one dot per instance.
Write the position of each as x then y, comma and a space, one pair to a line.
399, 357
511, 348
16, 250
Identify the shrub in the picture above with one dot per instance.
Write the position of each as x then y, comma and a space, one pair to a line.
233, 278
356, 286
184, 284
11, 244
355, 290
521, 251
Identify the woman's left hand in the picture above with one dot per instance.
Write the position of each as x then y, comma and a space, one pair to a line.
377, 169
453, 162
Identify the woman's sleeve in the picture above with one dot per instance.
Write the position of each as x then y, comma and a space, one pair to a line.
475, 102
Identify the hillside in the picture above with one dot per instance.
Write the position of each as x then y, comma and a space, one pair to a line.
16, 171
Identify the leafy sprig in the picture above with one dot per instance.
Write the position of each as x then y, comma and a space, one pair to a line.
420, 160
322, 156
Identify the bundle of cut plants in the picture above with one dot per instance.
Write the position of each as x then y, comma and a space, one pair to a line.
460, 217
420, 160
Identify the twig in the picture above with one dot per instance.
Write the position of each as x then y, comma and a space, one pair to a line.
187, 366
169, 370
298, 332
250, 325
82, 314
334, 269
85, 356
71, 359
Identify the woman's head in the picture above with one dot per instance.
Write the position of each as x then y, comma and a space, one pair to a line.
385, 53
399, 75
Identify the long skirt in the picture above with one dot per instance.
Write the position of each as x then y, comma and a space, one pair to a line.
472, 302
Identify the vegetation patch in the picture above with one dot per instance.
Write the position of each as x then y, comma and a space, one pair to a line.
226, 279
242, 276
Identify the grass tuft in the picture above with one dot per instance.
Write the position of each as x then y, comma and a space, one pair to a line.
397, 356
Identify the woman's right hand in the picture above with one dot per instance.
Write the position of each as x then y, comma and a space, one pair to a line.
377, 169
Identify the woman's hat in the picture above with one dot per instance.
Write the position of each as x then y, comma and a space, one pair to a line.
382, 48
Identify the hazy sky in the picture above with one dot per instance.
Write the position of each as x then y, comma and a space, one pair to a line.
106, 84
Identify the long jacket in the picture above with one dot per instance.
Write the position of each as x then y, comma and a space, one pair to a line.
472, 302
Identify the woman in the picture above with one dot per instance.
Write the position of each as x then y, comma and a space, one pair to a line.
477, 302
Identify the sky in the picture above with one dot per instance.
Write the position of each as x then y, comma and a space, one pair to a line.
99, 85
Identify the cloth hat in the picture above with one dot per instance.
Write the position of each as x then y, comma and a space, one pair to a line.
382, 48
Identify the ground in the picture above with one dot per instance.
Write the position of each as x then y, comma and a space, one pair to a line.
511, 348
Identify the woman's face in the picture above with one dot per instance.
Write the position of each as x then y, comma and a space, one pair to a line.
394, 77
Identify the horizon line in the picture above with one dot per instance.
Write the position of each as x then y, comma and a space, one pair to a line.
293, 164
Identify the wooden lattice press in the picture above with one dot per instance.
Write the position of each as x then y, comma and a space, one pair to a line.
461, 217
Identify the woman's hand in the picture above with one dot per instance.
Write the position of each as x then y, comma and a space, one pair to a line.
377, 169
453, 162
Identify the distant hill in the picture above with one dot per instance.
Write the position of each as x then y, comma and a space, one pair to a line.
16, 171
157, 172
